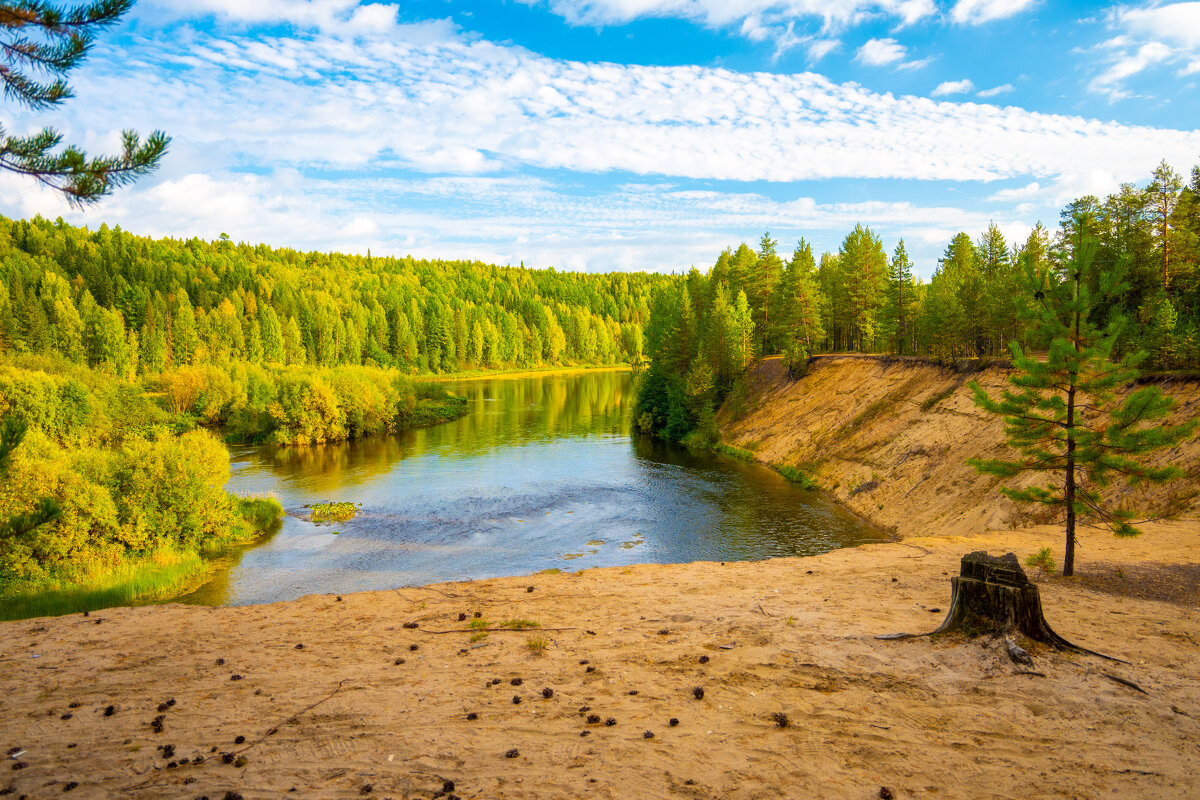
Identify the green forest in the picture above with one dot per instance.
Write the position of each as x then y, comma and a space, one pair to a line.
129, 360
705, 331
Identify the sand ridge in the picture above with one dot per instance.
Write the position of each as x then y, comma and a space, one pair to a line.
369, 708
889, 438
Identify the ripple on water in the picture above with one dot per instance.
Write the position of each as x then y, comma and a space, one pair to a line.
542, 473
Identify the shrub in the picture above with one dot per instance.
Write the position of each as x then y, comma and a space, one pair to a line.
1044, 560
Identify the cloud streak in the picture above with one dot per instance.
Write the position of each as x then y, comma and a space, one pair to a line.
472, 107
423, 141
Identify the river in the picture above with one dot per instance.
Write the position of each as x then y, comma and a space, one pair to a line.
542, 473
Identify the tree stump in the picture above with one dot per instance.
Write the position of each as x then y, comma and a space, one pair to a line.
993, 595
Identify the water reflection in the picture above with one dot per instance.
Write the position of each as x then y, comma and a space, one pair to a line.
541, 473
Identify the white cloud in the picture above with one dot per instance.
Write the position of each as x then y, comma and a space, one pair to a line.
722, 13
475, 107
953, 87
821, 48
296, 140
1125, 65
789, 23
498, 220
345, 17
1177, 23
881, 52
995, 91
976, 12
1026, 192
1155, 34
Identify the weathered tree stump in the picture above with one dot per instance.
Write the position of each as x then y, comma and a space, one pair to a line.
993, 595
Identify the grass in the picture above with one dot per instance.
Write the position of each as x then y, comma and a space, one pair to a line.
479, 622
537, 645
260, 512
433, 411
796, 475
159, 576
793, 474
163, 575
734, 452
519, 624
333, 512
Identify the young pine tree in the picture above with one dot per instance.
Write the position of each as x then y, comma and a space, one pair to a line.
1063, 415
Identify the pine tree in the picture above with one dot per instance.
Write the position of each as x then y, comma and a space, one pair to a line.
1161, 196
803, 330
1063, 416
762, 286
898, 299
37, 36
865, 270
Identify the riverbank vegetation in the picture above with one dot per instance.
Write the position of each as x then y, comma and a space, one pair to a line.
138, 518
705, 331
127, 360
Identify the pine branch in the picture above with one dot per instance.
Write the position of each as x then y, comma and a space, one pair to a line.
82, 180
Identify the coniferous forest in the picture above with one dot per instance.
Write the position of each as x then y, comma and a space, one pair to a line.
125, 360
706, 330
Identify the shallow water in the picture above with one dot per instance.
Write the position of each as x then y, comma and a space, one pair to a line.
541, 473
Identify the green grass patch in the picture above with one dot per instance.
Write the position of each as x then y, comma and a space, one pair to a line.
161, 576
519, 624
479, 622
260, 512
442, 407
734, 452
796, 475
333, 512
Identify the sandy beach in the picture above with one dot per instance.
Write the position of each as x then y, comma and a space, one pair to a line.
328, 697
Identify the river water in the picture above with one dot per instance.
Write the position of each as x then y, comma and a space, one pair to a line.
542, 473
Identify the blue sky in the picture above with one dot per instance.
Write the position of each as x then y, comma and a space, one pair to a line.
626, 134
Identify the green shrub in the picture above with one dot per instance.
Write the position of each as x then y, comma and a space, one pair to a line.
1044, 560
119, 505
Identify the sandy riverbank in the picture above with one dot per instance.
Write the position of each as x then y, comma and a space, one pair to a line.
356, 712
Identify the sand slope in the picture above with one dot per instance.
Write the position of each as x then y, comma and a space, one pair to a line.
340, 718
910, 427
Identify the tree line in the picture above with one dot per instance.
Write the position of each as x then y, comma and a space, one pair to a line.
131, 306
706, 330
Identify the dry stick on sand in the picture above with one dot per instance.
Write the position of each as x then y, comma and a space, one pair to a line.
495, 630
270, 732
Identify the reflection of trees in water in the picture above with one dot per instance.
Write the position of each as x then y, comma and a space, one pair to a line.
753, 511
503, 412
215, 590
